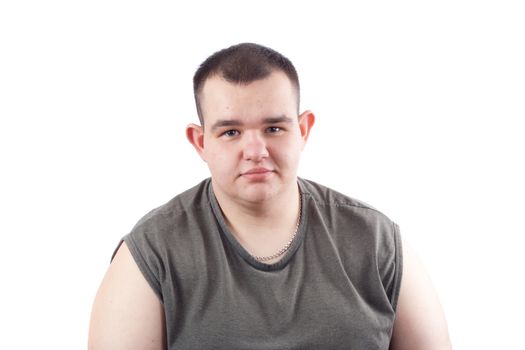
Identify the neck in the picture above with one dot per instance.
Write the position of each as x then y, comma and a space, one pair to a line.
262, 227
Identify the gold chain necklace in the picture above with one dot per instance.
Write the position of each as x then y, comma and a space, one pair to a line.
289, 243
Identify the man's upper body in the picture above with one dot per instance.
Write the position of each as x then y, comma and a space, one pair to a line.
251, 137
335, 287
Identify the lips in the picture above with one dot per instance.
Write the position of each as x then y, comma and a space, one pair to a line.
257, 171
257, 174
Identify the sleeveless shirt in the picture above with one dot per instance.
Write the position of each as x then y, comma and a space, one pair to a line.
335, 288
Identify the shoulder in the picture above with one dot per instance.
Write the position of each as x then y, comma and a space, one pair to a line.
346, 207
354, 224
362, 235
167, 230
191, 200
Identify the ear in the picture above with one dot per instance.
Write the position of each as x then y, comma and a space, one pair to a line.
195, 134
306, 122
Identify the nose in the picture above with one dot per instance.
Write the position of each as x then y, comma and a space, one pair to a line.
254, 147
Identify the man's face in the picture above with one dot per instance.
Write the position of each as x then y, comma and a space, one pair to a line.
252, 136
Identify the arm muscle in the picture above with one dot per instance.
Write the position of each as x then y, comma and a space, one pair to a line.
126, 313
420, 321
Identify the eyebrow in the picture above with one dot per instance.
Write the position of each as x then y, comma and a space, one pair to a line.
277, 120
235, 122
225, 122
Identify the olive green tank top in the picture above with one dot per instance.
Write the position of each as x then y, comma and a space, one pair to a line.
335, 288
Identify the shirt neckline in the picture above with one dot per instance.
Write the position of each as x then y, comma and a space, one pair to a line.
240, 250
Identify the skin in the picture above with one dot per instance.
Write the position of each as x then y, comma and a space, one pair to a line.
420, 322
127, 315
251, 141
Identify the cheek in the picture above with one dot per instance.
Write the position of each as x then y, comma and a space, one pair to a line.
220, 161
287, 154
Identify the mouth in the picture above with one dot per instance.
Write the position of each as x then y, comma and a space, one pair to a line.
257, 171
257, 174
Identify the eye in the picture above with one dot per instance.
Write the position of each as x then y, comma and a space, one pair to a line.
273, 129
230, 133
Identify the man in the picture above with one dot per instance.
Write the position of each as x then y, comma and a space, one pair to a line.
255, 257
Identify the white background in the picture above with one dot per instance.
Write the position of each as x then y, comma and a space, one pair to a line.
419, 111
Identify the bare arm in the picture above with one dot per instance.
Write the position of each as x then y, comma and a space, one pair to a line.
420, 321
126, 314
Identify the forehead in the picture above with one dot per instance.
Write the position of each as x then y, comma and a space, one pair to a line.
273, 95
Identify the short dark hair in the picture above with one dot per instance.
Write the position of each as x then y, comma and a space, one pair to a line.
242, 64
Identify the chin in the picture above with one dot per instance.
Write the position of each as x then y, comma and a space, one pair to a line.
257, 195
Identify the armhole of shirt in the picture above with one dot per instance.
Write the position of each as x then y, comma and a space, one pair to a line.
142, 264
398, 261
